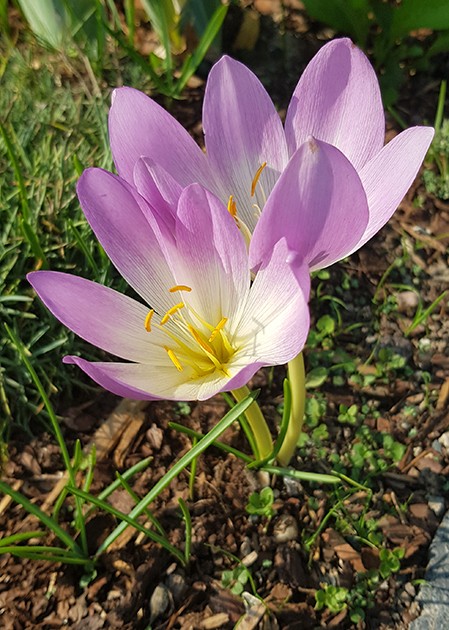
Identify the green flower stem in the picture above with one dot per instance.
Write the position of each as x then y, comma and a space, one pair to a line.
297, 378
257, 423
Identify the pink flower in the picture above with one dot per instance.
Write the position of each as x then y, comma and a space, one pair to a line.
325, 182
204, 327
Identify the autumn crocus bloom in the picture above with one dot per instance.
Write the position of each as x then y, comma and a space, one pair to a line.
205, 327
325, 182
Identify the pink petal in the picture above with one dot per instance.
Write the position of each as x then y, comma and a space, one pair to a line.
242, 131
139, 127
101, 316
278, 298
130, 237
117, 378
338, 100
211, 255
389, 175
318, 204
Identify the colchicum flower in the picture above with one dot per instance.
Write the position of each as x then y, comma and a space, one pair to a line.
326, 182
206, 328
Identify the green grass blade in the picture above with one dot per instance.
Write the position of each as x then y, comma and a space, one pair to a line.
48, 521
17, 173
34, 244
15, 538
192, 62
188, 522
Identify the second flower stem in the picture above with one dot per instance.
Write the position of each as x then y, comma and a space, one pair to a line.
257, 423
297, 378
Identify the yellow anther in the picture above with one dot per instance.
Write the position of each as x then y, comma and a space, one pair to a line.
173, 358
180, 287
148, 320
171, 311
232, 207
256, 178
195, 334
217, 328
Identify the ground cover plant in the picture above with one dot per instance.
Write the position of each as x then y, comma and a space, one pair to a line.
336, 535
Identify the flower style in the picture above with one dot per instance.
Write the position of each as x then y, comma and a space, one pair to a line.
206, 328
326, 183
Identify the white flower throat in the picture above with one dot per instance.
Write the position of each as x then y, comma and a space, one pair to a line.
191, 340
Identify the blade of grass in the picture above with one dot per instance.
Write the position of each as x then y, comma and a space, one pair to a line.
15, 538
192, 62
188, 522
48, 521
54, 421
17, 173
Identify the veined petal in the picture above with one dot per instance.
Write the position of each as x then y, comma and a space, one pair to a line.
118, 378
131, 238
159, 189
389, 175
139, 127
318, 204
338, 100
150, 382
155, 184
242, 131
211, 255
101, 316
275, 323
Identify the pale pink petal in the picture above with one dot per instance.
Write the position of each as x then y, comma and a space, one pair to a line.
318, 205
151, 382
130, 237
242, 131
101, 316
139, 127
278, 298
211, 255
338, 100
389, 175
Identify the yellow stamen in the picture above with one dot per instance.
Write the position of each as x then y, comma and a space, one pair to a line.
147, 323
195, 334
174, 359
256, 179
217, 328
171, 311
180, 287
232, 207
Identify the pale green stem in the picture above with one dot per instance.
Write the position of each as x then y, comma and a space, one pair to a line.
257, 423
297, 378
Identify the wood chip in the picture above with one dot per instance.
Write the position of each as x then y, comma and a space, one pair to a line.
443, 395
216, 621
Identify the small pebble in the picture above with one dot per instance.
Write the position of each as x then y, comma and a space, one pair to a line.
250, 559
159, 602
410, 589
437, 446
444, 440
285, 529
437, 505
407, 301
176, 585
245, 547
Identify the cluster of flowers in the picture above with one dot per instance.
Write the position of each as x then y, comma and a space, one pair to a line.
220, 244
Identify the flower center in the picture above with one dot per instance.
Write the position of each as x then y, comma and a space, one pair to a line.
191, 340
